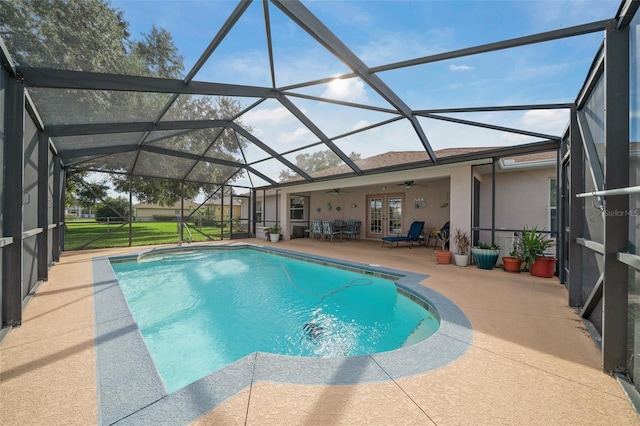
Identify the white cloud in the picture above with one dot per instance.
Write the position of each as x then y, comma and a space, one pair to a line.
352, 90
460, 67
546, 120
246, 66
541, 71
266, 115
549, 121
297, 135
391, 46
360, 124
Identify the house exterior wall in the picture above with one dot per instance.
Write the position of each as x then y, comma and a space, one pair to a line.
522, 199
145, 214
460, 202
351, 203
447, 191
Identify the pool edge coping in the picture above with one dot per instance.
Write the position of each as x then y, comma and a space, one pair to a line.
123, 360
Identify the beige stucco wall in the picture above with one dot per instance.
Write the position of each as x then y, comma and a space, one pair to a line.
146, 214
522, 198
460, 204
447, 190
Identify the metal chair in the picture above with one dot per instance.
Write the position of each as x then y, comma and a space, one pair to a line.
442, 237
328, 231
316, 229
353, 230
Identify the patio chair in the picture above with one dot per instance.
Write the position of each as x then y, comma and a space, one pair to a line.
328, 231
353, 229
316, 229
413, 236
443, 237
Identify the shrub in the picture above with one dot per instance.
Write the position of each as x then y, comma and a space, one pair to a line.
105, 211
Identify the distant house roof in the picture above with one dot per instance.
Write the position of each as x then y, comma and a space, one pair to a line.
394, 158
529, 158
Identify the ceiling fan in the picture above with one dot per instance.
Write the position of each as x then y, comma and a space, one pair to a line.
336, 191
408, 184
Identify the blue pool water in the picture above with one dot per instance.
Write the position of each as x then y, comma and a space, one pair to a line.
201, 310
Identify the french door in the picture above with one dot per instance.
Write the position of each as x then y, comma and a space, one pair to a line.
384, 215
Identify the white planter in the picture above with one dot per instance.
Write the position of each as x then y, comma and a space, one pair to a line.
274, 238
461, 259
260, 232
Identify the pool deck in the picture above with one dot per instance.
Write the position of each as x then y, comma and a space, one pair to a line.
531, 361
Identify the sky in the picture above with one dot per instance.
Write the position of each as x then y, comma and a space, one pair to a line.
383, 32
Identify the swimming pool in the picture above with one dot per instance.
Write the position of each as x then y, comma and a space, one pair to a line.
201, 310
129, 386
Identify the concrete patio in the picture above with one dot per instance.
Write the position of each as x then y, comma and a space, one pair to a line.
531, 360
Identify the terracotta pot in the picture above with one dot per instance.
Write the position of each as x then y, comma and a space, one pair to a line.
511, 264
443, 256
543, 267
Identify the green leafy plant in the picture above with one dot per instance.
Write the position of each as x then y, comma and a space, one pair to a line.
275, 229
484, 246
534, 244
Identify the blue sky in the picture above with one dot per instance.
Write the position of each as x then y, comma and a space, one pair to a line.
382, 32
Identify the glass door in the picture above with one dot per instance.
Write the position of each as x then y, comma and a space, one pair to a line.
384, 215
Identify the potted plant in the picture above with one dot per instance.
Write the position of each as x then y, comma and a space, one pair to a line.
463, 242
273, 233
443, 256
534, 245
485, 255
513, 262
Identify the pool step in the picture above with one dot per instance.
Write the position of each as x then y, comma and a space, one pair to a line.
419, 333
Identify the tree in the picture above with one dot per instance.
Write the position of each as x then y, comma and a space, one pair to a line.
159, 53
91, 192
55, 33
319, 160
112, 208
90, 35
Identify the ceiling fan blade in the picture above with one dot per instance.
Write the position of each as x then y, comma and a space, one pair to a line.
407, 184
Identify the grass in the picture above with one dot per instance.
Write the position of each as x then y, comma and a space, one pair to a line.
79, 232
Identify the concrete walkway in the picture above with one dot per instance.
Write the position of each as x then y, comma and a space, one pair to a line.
531, 361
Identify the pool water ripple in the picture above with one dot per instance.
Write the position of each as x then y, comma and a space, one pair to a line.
201, 311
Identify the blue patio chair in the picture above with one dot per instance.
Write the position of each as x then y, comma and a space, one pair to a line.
328, 231
413, 236
443, 237
316, 229
353, 229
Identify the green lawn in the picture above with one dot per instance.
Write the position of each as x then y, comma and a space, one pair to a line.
79, 232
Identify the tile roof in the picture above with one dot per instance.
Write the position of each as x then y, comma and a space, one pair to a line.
395, 158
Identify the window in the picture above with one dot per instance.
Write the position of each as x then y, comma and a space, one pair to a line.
296, 209
553, 207
259, 211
